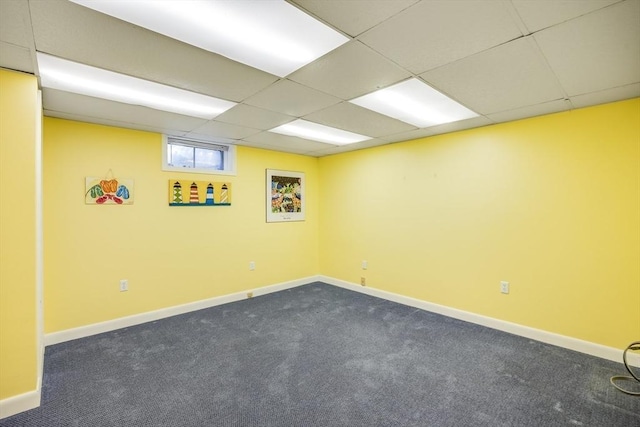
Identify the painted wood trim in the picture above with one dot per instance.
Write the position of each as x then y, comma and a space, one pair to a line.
150, 316
552, 338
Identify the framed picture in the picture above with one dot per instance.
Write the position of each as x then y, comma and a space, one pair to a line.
285, 196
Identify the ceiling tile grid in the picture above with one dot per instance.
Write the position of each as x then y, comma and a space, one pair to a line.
74, 32
350, 71
85, 108
254, 117
16, 57
354, 118
504, 59
537, 15
354, 16
289, 97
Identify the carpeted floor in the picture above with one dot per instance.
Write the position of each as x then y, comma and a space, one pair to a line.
318, 355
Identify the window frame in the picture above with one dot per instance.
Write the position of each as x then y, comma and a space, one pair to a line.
229, 157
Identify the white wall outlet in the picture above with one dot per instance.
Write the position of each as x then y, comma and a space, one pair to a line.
365, 264
504, 287
124, 285
252, 265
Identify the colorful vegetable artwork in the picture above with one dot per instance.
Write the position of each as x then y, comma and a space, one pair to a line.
108, 191
109, 186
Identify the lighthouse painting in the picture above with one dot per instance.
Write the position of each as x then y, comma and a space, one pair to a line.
193, 194
177, 193
199, 193
209, 194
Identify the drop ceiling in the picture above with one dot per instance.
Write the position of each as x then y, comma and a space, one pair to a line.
503, 59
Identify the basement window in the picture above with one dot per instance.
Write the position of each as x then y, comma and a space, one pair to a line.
188, 155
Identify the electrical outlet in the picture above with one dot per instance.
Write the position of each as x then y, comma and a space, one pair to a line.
504, 287
365, 264
252, 265
363, 281
249, 294
124, 285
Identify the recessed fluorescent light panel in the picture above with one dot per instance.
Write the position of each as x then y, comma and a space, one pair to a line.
309, 130
415, 102
68, 76
272, 36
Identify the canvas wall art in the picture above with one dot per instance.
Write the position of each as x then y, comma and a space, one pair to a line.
183, 192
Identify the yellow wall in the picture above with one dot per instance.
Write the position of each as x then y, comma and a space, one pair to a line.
169, 255
550, 204
18, 112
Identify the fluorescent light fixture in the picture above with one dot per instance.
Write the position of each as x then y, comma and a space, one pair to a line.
68, 76
415, 102
273, 35
309, 130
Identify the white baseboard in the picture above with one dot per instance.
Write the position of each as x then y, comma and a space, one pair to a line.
150, 316
20, 403
29, 400
570, 343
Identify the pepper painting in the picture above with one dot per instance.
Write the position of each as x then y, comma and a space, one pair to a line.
199, 193
105, 191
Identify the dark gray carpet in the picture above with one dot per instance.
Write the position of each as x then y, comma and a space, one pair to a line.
319, 355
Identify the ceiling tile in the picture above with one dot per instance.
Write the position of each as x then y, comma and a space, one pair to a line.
346, 148
253, 117
95, 110
607, 95
14, 24
271, 139
65, 29
474, 122
597, 51
537, 15
291, 98
283, 149
408, 136
440, 129
15, 57
509, 76
351, 117
349, 71
434, 33
223, 130
331, 151
585, 50
114, 123
354, 16
531, 111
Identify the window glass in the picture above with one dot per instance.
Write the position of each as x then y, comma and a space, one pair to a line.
208, 159
180, 156
187, 155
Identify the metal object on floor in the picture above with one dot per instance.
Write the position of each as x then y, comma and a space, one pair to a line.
634, 346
